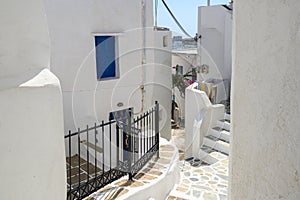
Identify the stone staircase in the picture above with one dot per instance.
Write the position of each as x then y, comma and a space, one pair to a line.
216, 143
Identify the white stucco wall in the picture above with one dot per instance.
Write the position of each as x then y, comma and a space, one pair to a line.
24, 39
200, 116
265, 161
31, 121
87, 100
214, 26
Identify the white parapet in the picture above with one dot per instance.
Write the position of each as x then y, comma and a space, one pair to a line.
200, 116
32, 141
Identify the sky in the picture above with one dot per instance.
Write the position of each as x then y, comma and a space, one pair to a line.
186, 12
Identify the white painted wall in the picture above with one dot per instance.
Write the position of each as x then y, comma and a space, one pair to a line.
87, 100
265, 161
200, 116
24, 39
214, 26
31, 121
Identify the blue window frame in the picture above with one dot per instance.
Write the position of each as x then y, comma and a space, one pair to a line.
106, 57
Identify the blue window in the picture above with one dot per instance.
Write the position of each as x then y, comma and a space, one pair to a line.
106, 57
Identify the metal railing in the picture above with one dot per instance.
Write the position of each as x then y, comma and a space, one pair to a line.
103, 153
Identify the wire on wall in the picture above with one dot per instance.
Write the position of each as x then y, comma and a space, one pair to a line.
176, 21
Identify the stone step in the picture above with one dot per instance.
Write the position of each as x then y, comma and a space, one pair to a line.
227, 116
224, 124
220, 134
216, 144
92, 146
207, 157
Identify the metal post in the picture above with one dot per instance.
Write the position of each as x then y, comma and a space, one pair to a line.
79, 169
157, 127
117, 140
130, 142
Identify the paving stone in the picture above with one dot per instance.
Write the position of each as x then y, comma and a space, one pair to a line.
194, 179
199, 171
204, 178
166, 148
210, 196
156, 166
196, 193
185, 181
187, 173
154, 172
166, 154
223, 197
182, 189
164, 161
142, 177
212, 182
128, 183
171, 198
181, 156
202, 187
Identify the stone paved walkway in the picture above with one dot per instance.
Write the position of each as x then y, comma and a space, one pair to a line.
209, 182
154, 170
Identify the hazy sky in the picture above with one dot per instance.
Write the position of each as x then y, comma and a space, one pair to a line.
185, 11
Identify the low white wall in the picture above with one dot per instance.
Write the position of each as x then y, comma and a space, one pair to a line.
200, 116
32, 142
265, 153
163, 185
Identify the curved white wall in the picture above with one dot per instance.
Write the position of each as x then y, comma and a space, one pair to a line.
31, 120
24, 39
265, 161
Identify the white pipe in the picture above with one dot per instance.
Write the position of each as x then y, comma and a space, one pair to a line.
143, 60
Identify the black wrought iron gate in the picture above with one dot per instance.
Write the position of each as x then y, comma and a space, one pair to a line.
103, 153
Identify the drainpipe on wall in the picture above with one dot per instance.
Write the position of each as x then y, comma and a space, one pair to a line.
143, 60
208, 2
198, 58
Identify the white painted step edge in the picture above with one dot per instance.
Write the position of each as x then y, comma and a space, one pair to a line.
225, 125
217, 145
223, 135
227, 116
206, 157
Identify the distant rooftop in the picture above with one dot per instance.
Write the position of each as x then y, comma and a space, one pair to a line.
185, 51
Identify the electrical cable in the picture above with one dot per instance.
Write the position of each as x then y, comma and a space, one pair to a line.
176, 21
156, 6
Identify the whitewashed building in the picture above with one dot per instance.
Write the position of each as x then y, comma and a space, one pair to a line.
138, 66
214, 48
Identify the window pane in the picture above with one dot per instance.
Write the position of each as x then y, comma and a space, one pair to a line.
105, 56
